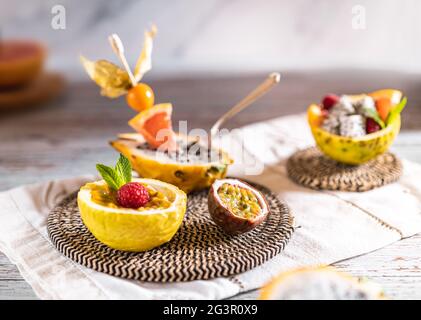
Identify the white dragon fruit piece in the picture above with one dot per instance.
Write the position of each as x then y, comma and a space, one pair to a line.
343, 107
331, 124
366, 106
352, 126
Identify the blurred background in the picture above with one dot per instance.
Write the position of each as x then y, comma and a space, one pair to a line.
207, 56
219, 36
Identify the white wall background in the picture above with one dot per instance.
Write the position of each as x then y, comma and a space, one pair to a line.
227, 35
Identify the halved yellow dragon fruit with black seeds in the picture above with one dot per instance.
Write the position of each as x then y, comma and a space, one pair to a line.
181, 167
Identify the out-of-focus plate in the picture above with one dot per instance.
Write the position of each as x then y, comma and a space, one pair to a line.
45, 87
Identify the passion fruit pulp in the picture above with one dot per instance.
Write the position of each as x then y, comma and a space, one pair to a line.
235, 206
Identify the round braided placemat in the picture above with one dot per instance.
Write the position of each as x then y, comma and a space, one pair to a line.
310, 168
199, 249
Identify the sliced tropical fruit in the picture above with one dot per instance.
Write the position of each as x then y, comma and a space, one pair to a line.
315, 115
358, 150
354, 150
132, 229
236, 206
154, 124
190, 167
383, 107
393, 95
320, 283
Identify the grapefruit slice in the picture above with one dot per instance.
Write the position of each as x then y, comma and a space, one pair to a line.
154, 124
20, 61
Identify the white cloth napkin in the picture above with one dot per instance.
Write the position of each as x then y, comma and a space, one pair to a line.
333, 225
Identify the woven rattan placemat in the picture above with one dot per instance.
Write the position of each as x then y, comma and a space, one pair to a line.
310, 168
199, 250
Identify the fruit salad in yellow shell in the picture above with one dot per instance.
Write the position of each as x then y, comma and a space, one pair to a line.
154, 149
354, 129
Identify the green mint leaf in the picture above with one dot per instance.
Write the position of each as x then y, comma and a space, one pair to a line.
373, 114
109, 175
396, 111
124, 169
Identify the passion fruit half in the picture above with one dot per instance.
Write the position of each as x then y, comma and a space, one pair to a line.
236, 206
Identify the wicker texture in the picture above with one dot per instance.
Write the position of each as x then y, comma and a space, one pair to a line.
199, 250
310, 168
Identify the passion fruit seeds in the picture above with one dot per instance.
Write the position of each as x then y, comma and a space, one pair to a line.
104, 196
134, 229
240, 201
127, 194
235, 206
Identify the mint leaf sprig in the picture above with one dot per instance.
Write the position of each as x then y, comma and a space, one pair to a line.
119, 175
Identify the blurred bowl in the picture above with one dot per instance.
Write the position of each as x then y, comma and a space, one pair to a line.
20, 62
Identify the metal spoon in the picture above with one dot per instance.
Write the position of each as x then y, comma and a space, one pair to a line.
257, 93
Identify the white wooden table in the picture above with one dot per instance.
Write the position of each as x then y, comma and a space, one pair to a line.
69, 136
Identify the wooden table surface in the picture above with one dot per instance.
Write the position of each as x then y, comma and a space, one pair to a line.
68, 136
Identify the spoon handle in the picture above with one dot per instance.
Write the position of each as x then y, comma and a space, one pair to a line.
258, 92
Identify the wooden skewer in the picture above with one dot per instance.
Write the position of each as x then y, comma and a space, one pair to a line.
118, 49
257, 93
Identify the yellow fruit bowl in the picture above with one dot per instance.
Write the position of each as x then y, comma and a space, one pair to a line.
352, 150
131, 229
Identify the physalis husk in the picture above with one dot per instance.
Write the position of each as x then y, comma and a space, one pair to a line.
113, 80
144, 62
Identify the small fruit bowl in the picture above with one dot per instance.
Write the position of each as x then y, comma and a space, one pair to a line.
362, 147
130, 214
132, 229
20, 62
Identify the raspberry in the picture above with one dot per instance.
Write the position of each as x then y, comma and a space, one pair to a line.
329, 101
132, 195
371, 125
